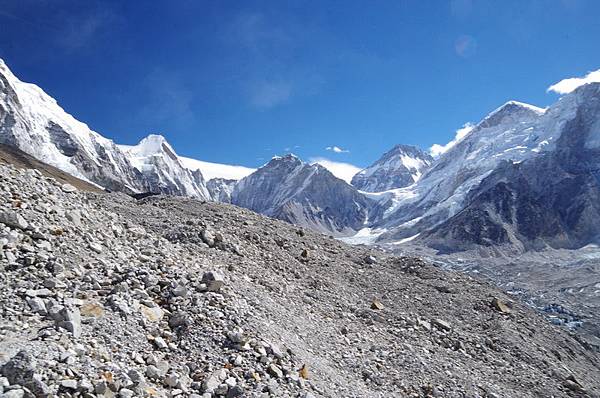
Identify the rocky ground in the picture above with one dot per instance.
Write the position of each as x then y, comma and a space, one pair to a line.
102, 295
563, 285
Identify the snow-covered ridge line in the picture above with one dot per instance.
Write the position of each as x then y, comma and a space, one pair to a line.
35, 123
217, 170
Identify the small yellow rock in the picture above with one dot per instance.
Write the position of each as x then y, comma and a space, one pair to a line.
92, 309
304, 371
153, 314
500, 306
376, 305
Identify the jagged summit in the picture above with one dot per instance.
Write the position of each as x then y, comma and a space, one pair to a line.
288, 157
152, 144
511, 111
401, 166
303, 194
162, 169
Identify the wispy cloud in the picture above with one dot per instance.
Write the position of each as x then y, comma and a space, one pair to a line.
566, 86
341, 170
268, 94
66, 27
168, 99
80, 32
272, 75
437, 149
336, 149
465, 46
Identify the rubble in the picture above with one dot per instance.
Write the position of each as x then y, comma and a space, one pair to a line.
105, 296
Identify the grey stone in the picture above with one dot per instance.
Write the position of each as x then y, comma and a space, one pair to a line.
20, 370
275, 371
17, 393
69, 384
68, 188
212, 382
126, 393
13, 219
37, 305
441, 324
213, 281
235, 391
71, 320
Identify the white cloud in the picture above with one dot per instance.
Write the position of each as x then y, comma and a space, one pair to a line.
566, 86
437, 149
337, 149
344, 171
268, 94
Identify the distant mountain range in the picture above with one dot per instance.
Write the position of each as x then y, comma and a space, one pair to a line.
523, 178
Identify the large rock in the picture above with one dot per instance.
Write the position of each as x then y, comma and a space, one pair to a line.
21, 370
13, 219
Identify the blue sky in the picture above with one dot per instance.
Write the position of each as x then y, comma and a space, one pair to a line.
238, 82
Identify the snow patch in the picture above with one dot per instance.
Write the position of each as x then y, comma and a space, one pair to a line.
401, 241
365, 236
217, 170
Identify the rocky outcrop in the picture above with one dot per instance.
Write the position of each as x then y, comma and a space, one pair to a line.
220, 189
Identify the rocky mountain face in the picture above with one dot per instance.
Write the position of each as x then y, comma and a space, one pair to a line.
523, 178
548, 200
33, 122
303, 194
105, 296
402, 166
513, 134
220, 189
162, 170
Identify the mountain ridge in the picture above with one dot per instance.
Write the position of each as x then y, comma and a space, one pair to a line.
404, 196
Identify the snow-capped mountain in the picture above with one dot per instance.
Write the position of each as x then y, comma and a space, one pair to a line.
303, 194
507, 133
162, 169
550, 198
523, 176
32, 121
397, 168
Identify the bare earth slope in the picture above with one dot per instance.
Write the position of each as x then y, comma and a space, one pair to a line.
16, 157
175, 297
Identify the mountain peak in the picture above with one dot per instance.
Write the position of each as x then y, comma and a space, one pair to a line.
512, 110
399, 167
515, 106
288, 158
153, 144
